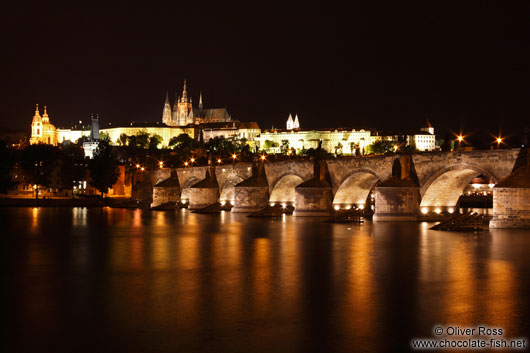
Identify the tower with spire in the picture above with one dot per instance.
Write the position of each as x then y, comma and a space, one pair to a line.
183, 113
296, 124
166, 113
290, 123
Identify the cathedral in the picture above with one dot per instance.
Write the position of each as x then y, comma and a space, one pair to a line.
42, 131
183, 113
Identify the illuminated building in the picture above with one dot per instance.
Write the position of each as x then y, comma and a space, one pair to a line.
183, 112
340, 140
42, 131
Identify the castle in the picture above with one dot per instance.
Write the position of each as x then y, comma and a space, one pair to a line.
183, 113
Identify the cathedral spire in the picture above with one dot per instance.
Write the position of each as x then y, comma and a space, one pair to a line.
167, 98
200, 100
37, 110
184, 93
296, 123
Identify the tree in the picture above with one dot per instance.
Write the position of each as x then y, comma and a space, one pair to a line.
182, 141
103, 168
268, 144
104, 136
38, 163
284, 146
380, 147
154, 141
71, 167
6, 165
338, 148
122, 140
141, 140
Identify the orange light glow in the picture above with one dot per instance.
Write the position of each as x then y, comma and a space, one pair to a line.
234, 156
219, 161
499, 140
460, 138
192, 160
263, 157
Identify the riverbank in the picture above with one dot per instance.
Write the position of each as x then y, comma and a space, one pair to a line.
71, 202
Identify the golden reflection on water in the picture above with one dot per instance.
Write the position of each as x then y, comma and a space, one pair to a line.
501, 304
362, 297
461, 285
34, 218
261, 273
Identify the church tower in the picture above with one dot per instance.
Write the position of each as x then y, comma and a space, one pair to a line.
296, 124
184, 110
290, 122
42, 131
166, 114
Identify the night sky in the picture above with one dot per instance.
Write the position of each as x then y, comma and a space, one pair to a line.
462, 65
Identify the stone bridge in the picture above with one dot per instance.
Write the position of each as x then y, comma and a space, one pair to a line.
440, 177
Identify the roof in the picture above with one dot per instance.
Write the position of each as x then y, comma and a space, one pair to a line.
518, 179
168, 183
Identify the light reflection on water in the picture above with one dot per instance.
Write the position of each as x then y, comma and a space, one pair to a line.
131, 280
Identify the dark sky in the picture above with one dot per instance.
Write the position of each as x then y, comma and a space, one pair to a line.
461, 64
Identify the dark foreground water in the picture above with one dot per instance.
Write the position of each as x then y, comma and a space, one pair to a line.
112, 280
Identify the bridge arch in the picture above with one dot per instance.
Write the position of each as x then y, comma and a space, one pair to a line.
284, 189
356, 187
228, 190
444, 187
185, 193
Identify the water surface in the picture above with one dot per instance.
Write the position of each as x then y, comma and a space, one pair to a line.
114, 280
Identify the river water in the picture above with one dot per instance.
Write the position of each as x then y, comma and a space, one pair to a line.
116, 280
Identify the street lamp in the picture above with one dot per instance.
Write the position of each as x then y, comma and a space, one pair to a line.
161, 164
262, 157
499, 141
219, 161
460, 138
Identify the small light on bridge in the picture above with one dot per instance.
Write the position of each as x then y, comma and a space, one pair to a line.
424, 210
284, 205
451, 210
491, 185
184, 201
223, 202
348, 207
361, 206
438, 211
337, 207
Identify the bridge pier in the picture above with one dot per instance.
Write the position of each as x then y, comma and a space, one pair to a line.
511, 205
205, 192
398, 198
167, 190
314, 197
252, 194
397, 203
